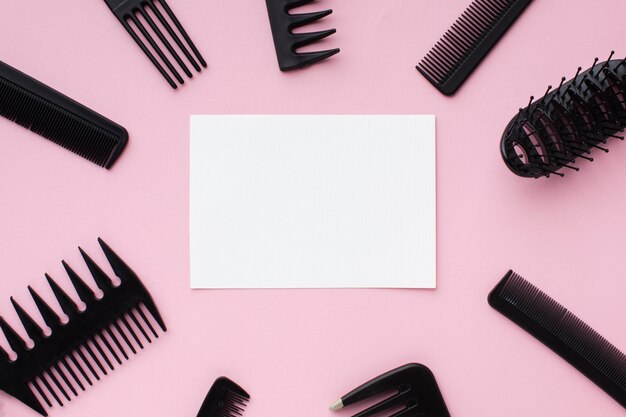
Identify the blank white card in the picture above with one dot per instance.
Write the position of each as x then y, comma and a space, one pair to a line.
312, 201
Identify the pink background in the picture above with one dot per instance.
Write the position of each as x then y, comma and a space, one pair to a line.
298, 350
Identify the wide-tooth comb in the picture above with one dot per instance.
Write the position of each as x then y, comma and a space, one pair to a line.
412, 389
224, 399
286, 42
468, 41
567, 123
82, 348
140, 13
563, 332
59, 119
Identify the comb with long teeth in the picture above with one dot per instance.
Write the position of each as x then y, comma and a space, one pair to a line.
63, 363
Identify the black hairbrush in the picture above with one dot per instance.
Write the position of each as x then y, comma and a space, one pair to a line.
59, 119
139, 11
468, 41
567, 123
225, 399
563, 332
411, 387
286, 42
83, 342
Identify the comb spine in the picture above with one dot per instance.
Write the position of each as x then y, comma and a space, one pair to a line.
552, 341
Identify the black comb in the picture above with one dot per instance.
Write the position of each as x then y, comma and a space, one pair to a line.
567, 123
85, 343
286, 42
225, 399
140, 12
563, 332
411, 387
58, 118
468, 41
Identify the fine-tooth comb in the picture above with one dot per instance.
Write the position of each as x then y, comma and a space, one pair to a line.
412, 389
225, 399
58, 118
563, 332
286, 42
468, 41
80, 343
139, 12
567, 123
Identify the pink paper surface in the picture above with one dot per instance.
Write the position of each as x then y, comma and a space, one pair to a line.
296, 351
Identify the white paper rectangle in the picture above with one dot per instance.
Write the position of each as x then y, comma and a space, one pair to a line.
312, 201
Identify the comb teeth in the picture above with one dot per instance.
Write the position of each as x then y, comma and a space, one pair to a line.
567, 123
57, 368
563, 332
150, 17
468, 41
286, 42
224, 399
59, 119
231, 405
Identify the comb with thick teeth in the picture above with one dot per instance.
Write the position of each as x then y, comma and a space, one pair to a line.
64, 362
287, 42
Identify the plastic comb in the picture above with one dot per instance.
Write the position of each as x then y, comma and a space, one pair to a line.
61, 364
286, 42
563, 332
468, 41
412, 392
225, 399
59, 119
136, 12
567, 123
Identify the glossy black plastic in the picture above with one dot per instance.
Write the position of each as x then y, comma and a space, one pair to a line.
59, 119
455, 56
563, 332
88, 341
224, 399
566, 124
139, 12
286, 42
412, 386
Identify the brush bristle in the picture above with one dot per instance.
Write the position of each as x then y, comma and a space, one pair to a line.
564, 126
57, 124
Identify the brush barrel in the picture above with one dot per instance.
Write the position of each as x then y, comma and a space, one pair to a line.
567, 123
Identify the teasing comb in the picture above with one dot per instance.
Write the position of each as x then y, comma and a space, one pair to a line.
64, 362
